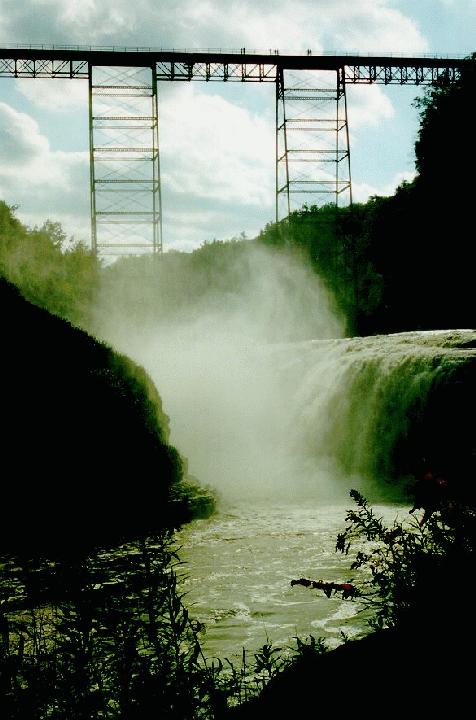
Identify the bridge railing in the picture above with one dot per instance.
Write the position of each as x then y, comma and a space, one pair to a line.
232, 51
312, 129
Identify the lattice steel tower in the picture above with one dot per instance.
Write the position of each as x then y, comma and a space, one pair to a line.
312, 140
312, 132
126, 208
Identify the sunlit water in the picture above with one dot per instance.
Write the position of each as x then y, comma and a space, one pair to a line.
239, 565
266, 417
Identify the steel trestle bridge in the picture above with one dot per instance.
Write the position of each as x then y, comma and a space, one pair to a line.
312, 130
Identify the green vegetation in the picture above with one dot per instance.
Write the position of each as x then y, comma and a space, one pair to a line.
86, 441
420, 578
405, 562
91, 620
237, 285
108, 637
52, 272
403, 262
392, 264
92, 623
172, 284
397, 263
104, 636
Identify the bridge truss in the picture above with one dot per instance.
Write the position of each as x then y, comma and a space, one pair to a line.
312, 128
126, 208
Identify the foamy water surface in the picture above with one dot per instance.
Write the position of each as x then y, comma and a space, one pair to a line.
238, 567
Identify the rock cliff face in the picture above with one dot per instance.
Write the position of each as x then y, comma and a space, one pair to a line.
85, 452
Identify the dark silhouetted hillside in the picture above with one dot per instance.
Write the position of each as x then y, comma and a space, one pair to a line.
85, 453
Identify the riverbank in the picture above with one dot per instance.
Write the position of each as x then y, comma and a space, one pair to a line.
412, 673
420, 587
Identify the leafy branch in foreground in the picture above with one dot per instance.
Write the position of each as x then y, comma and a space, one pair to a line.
407, 562
107, 636
104, 636
238, 683
347, 589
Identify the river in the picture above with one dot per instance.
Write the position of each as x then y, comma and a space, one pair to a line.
342, 406
237, 571
281, 416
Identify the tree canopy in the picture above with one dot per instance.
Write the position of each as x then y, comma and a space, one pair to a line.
403, 262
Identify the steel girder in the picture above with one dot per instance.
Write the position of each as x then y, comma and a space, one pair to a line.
312, 141
216, 64
126, 208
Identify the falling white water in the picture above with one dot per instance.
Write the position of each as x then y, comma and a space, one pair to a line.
357, 398
281, 415
258, 408
217, 361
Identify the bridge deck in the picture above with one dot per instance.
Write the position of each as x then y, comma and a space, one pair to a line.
214, 65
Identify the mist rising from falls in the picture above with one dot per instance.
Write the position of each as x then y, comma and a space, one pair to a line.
266, 399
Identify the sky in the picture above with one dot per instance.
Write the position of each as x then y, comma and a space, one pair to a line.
217, 140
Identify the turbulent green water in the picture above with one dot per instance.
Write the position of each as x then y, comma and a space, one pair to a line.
358, 398
281, 432
349, 403
280, 422
238, 569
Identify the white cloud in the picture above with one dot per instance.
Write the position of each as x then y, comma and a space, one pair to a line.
54, 95
368, 25
20, 139
372, 26
213, 148
368, 106
46, 183
217, 156
361, 192
188, 226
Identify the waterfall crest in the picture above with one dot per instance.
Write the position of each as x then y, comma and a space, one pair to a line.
367, 407
266, 398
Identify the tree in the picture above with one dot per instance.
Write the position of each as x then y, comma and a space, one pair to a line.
417, 571
59, 276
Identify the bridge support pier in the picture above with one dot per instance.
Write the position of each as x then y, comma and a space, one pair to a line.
312, 140
126, 208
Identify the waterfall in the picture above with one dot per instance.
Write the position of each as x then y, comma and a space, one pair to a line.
258, 408
308, 419
367, 407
